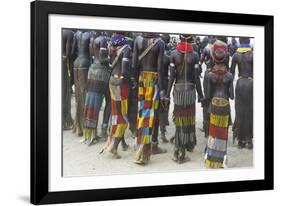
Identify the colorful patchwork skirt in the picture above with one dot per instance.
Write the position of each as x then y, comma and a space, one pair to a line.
218, 133
148, 103
184, 115
119, 109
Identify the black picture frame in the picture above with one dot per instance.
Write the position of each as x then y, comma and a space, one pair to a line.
40, 99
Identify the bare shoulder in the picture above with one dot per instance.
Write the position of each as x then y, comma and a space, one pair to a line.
161, 43
235, 56
138, 43
127, 49
99, 40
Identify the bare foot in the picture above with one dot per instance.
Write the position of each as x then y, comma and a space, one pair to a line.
175, 159
116, 156
114, 153
183, 160
140, 162
164, 139
158, 150
82, 140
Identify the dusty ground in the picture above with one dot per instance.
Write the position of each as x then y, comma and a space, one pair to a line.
81, 160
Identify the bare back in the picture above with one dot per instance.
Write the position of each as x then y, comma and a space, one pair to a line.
184, 63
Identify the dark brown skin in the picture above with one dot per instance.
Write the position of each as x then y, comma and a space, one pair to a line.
81, 48
207, 58
122, 67
244, 62
98, 48
183, 69
153, 61
164, 108
232, 47
243, 124
219, 87
122, 70
199, 45
67, 40
166, 62
187, 73
195, 48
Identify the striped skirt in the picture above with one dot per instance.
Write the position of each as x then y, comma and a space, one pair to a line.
218, 133
93, 103
184, 115
148, 103
97, 84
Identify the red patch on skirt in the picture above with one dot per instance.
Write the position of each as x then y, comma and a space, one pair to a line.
185, 112
120, 120
147, 104
113, 108
90, 113
146, 122
218, 132
124, 91
113, 129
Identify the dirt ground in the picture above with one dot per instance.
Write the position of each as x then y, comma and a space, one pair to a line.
81, 160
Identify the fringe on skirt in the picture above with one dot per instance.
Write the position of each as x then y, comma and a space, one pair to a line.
218, 133
184, 116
